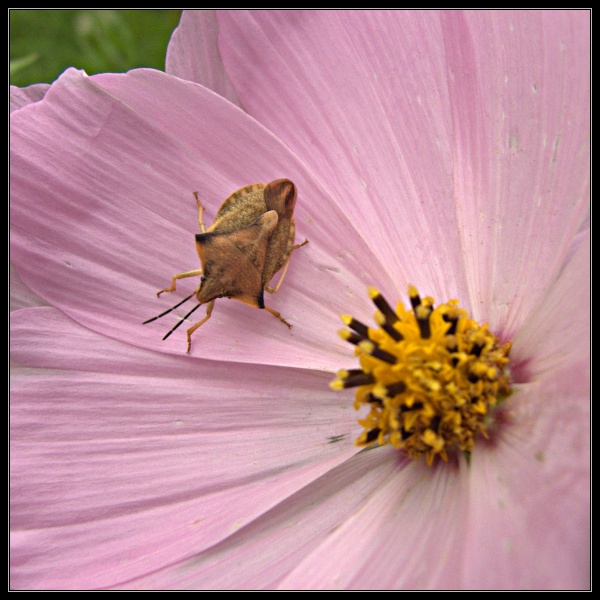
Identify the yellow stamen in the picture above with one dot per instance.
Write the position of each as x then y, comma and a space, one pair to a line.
430, 377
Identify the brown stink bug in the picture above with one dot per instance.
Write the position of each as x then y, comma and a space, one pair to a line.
251, 239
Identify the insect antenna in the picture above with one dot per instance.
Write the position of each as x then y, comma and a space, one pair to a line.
182, 320
162, 314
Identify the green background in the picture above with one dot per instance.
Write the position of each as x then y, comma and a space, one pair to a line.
43, 43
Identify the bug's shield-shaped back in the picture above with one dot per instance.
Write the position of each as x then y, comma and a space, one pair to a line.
240, 209
232, 263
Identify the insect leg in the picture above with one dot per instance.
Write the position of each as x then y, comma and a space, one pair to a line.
285, 268
172, 287
209, 309
299, 246
276, 314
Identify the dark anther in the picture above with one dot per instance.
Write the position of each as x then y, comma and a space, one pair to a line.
415, 406
359, 327
384, 356
354, 338
380, 302
415, 300
476, 349
453, 324
423, 323
372, 435
357, 379
391, 331
373, 400
395, 388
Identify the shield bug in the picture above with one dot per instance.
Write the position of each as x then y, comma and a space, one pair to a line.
250, 240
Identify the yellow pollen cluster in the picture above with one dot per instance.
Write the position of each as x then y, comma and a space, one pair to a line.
429, 376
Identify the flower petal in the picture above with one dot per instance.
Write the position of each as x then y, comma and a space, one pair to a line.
531, 486
369, 114
20, 97
348, 544
193, 53
529, 508
20, 295
124, 460
407, 535
102, 215
260, 555
519, 86
557, 336
457, 142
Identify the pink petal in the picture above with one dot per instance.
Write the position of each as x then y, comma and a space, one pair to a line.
20, 295
528, 488
531, 487
20, 97
124, 461
557, 336
529, 506
368, 524
522, 129
102, 215
375, 523
330, 84
260, 555
193, 53
458, 143
407, 535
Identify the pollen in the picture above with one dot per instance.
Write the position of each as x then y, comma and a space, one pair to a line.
430, 377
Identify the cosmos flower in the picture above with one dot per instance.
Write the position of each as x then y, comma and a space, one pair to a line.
448, 150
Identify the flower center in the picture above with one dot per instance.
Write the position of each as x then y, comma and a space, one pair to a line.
430, 376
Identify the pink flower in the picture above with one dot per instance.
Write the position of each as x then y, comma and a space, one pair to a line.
449, 150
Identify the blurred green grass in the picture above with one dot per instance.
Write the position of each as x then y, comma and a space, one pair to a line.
43, 43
